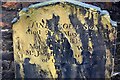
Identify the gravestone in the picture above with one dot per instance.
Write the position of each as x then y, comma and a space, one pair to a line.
63, 39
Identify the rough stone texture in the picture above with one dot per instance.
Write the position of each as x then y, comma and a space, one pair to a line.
6, 24
96, 51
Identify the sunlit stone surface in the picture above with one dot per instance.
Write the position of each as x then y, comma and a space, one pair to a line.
63, 39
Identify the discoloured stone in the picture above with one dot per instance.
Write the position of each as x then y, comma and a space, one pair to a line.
60, 39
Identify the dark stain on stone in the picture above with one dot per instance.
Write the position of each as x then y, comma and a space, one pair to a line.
83, 33
91, 66
63, 52
52, 23
83, 11
18, 75
30, 70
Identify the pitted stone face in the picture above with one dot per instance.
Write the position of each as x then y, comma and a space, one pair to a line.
62, 40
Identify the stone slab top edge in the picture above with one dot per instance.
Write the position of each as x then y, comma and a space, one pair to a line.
74, 2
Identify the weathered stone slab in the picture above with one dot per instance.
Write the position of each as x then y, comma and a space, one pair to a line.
63, 39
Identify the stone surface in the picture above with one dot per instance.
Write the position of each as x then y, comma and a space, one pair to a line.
59, 39
113, 9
